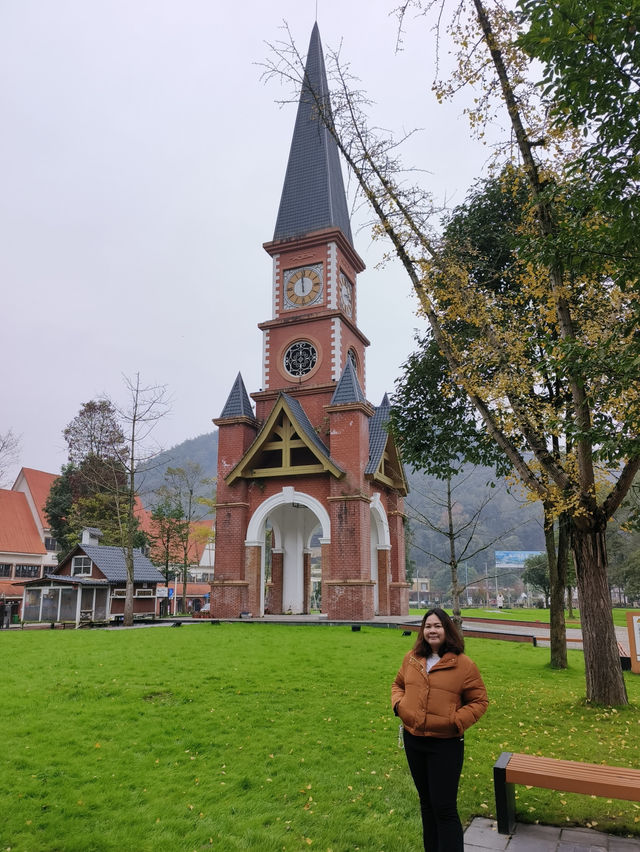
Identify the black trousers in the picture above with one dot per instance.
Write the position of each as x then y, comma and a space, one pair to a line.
435, 766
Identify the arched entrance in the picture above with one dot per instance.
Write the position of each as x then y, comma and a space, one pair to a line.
293, 517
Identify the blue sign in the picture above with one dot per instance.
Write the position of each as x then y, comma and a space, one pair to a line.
514, 558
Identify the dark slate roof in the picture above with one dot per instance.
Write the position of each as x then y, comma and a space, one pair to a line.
110, 560
348, 388
62, 579
313, 195
305, 424
238, 403
378, 434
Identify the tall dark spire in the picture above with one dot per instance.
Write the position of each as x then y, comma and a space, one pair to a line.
313, 195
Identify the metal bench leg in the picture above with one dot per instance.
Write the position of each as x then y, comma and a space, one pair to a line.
505, 795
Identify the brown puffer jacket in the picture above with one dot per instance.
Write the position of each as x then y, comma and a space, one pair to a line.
443, 703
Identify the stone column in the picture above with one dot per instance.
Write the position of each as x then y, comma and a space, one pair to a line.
306, 580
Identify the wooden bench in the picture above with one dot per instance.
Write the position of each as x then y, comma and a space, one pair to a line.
592, 779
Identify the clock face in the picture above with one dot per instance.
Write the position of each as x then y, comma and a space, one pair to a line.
346, 295
303, 286
300, 358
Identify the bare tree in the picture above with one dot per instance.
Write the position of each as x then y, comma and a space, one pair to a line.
185, 484
9, 452
139, 417
459, 530
110, 444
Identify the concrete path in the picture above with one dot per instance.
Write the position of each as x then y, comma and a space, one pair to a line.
482, 836
539, 630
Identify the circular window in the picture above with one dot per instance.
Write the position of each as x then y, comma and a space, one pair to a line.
300, 358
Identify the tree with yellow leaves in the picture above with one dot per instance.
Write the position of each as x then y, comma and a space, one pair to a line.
572, 320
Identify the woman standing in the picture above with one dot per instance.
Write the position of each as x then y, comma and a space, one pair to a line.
438, 693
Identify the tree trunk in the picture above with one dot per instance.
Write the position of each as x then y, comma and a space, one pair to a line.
455, 594
564, 550
128, 560
605, 683
185, 576
128, 598
570, 600
453, 561
557, 573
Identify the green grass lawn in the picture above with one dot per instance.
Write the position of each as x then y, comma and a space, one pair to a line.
521, 614
266, 737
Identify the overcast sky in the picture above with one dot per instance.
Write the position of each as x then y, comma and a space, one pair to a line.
141, 164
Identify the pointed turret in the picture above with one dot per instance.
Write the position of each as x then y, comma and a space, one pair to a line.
238, 403
313, 196
348, 388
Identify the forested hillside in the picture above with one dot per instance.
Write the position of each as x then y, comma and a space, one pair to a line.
202, 450
486, 516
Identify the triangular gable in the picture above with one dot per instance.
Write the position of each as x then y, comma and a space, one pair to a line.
287, 445
385, 464
390, 471
77, 550
18, 530
36, 483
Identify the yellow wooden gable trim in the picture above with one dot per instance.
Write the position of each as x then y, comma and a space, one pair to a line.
390, 471
282, 448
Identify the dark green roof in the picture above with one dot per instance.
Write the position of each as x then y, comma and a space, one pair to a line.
313, 196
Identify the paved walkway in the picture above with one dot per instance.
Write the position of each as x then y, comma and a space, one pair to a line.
535, 628
538, 629
482, 835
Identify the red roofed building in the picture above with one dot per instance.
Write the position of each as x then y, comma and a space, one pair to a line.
27, 549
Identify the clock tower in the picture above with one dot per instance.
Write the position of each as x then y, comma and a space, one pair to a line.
310, 485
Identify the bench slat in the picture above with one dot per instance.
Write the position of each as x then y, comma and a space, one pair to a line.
617, 782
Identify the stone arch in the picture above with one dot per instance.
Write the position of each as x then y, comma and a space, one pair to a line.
379, 518
290, 584
288, 496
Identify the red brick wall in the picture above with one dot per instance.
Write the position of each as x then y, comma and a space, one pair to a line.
349, 446
228, 598
348, 600
275, 591
253, 557
350, 538
384, 577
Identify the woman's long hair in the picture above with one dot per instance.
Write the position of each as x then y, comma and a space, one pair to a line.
453, 640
